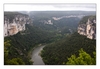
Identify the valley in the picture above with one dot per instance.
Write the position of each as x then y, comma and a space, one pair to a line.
62, 33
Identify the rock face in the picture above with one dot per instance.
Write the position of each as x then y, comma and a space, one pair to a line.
15, 23
48, 22
89, 28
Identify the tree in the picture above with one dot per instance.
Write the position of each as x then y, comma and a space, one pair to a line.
83, 59
16, 61
13, 61
6, 45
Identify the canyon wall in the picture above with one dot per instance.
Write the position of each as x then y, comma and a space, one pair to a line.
88, 27
13, 23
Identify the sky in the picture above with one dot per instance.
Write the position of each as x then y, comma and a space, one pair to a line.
50, 7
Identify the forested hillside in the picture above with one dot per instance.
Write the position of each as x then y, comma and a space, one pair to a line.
58, 53
68, 20
17, 46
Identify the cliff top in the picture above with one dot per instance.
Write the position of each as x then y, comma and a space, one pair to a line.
85, 19
12, 15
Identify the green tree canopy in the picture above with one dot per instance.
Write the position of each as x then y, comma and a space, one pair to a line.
83, 59
16, 61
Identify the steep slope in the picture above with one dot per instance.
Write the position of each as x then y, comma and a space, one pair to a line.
58, 53
14, 22
87, 27
18, 46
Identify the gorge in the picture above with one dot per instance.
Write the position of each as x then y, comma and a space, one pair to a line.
63, 34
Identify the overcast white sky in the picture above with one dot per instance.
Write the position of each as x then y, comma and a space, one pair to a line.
50, 7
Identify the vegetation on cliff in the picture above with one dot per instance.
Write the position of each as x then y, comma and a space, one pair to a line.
85, 19
58, 53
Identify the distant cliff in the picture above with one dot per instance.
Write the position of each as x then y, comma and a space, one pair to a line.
14, 22
87, 27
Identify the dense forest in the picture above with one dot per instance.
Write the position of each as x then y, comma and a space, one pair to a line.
18, 46
57, 53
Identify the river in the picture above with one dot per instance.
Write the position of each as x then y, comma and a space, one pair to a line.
36, 57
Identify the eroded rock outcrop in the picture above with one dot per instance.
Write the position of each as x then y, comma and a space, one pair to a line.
13, 23
88, 28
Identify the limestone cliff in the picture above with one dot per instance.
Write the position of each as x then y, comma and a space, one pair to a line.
87, 27
14, 22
